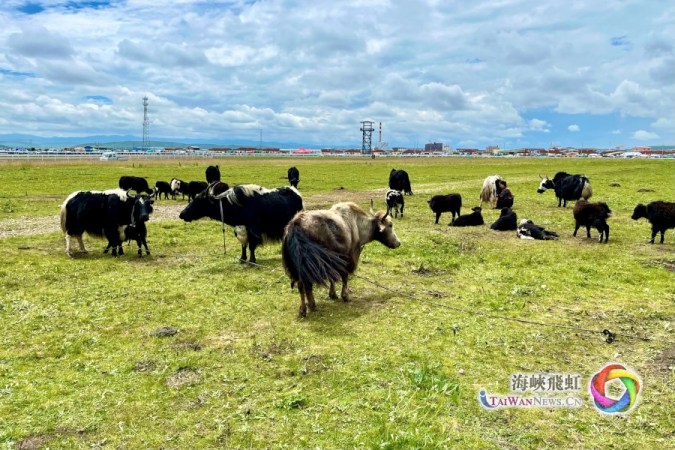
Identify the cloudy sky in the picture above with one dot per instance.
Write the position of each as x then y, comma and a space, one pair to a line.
512, 73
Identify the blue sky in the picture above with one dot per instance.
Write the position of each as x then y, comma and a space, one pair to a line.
514, 73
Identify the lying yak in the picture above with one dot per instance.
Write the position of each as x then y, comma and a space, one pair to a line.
324, 246
507, 221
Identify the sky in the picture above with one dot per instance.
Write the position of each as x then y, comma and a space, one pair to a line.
511, 73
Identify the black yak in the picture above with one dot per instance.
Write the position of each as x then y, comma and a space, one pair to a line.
567, 187
592, 215
507, 221
469, 220
660, 214
294, 176
451, 203
399, 180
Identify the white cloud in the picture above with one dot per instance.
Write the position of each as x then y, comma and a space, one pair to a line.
616, 131
643, 135
574, 128
310, 72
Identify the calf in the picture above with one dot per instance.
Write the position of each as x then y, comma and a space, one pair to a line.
399, 180
507, 221
194, 188
660, 214
324, 246
567, 187
445, 203
162, 187
394, 200
178, 186
136, 230
294, 176
138, 184
529, 230
469, 220
592, 215
256, 213
101, 214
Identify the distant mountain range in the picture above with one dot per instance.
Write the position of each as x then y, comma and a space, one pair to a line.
127, 141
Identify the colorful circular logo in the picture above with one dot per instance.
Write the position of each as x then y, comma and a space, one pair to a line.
629, 398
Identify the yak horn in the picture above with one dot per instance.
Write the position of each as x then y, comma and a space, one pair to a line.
130, 194
372, 210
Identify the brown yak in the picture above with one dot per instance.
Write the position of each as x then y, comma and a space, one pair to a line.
324, 246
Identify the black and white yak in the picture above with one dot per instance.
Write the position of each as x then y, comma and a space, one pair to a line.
324, 247
399, 180
567, 187
660, 214
258, 214
507, 221
138, 184
490, 191
592, 215
529, 230
451, 203
102, 214
294, 176
395, 202
178, 186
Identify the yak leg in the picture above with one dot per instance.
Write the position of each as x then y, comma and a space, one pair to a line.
69, 251
345, 291
139, 243
576, 228
145, 244
438, 216
588, 231
402, 206
309, 290
242, 258
331, 291
303, 307
80, 242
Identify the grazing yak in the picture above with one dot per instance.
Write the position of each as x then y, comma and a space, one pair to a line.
212, 174
394, 201
469, 220
592, 215
660, 214
529, 230
194, 188
138, 184
507, 221
103, 214
256, 213
399, 180
567, 187
492, 187
294, 176
324, 247
162, 187
451, 203
178, 186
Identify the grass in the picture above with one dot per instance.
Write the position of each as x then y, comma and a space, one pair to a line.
81, 367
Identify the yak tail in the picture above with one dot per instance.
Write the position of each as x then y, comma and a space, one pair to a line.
586, 190
308, 261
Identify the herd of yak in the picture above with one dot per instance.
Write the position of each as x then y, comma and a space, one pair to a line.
321, 246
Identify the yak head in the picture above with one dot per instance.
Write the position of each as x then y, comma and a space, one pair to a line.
383, 228
639, 212
546, 183
142, 207
199, 207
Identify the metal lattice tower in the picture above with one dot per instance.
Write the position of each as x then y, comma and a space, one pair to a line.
146, 124
367, 143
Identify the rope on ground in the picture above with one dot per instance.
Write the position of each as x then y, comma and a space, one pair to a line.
609, 335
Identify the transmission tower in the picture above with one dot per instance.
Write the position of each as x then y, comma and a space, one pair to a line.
367, 144
146, 124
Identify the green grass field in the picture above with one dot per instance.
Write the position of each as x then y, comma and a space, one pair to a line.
81, 365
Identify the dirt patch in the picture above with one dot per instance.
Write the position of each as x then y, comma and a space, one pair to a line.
646, 190
31, 443
183, 377
144, 366
164, 332
665, 362
188, 345
424, 272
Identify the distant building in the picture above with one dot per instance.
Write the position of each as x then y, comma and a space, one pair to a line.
433, 147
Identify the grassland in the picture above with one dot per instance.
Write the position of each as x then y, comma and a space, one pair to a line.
81, 364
